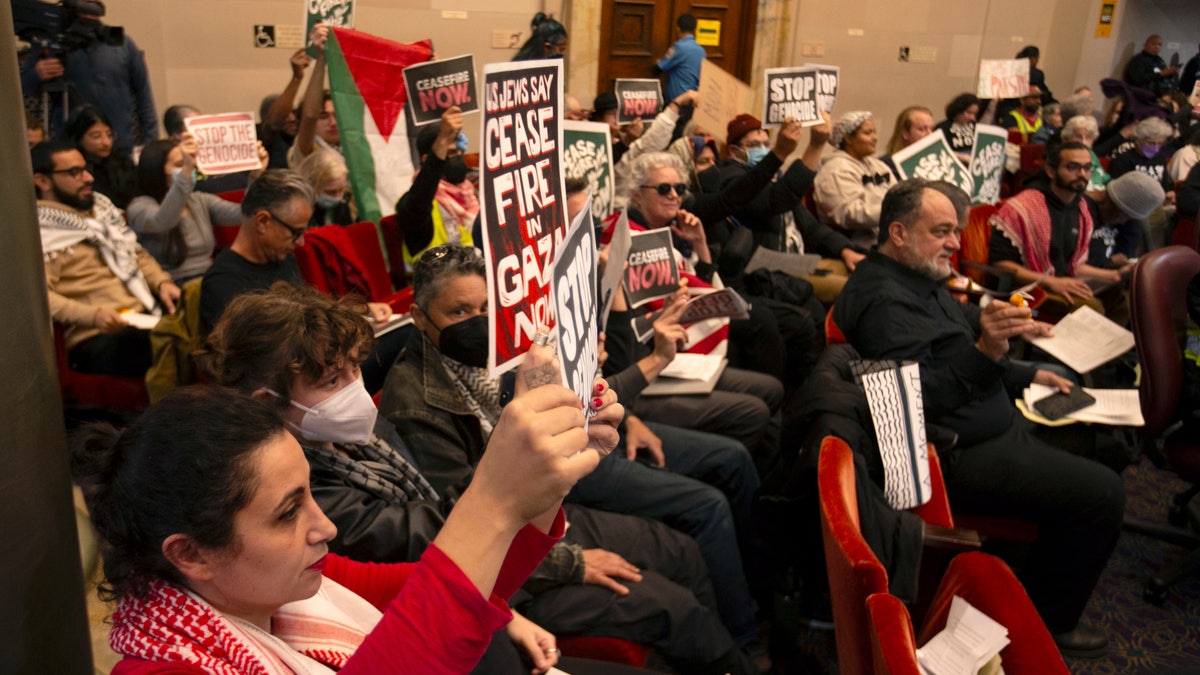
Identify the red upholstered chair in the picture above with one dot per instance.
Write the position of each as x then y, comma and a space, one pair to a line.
974, 241
1158, 303
833, 334
393, 245
108, 391
225, 234
1186, 233
614, 650
358, 246
893, 645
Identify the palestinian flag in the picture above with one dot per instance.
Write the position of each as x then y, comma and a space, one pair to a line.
368, 98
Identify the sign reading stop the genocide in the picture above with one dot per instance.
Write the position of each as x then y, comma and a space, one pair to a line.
225, 143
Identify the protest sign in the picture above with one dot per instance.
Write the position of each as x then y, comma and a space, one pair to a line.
652, 272
524, 207
587, 154
1003, 78
828, 80
225, 143
722, 98
614, 269
332, 13
638, 98
435, 86
574, 284
987, 163
790, 93
931, 158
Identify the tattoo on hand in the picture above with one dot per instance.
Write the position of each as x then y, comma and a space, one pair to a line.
539, 375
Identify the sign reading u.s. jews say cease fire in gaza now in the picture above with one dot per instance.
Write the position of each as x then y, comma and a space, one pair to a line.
575, 306
798, 93
638, 98
437, 85
652, 272
524, 207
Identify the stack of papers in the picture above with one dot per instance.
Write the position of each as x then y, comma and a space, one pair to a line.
968, 642
140, 320
797, 265
1117, 407
697, 367
396, 321
1085, 340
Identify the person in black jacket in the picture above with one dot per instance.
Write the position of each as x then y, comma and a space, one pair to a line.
1148, 70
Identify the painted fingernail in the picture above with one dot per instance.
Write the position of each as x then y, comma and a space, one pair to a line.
597, 402
600, 387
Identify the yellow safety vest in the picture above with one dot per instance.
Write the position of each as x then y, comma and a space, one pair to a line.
439, 237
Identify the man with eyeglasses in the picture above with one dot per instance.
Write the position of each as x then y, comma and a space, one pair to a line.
1046, 229
95, 269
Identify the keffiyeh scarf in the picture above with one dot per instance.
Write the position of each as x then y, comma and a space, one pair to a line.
407, 485
481, 392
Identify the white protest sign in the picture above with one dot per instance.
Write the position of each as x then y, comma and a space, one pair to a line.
574, 288
791, 93
225, 143
1008, 78
614, 269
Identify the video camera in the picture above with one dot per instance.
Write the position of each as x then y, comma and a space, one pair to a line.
54, 30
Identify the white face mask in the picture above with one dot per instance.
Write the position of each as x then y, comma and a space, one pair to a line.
346, 417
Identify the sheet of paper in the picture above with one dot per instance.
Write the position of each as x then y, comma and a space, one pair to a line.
140, 320
396, 321
797, 265
697, 367
1085, 340
969, 640
1116, 407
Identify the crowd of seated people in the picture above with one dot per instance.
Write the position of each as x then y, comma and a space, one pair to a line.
661, 545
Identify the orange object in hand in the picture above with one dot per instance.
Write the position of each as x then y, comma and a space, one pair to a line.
1016, 300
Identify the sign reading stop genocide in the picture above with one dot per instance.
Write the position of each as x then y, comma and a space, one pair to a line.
225, 143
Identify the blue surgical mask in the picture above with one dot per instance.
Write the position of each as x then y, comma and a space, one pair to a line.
327, 202
755, 155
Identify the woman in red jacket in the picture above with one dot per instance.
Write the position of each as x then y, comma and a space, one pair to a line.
218, 554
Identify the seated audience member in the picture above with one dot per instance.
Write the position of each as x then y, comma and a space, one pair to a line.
1120, 214
445, 406
1047, 229
1025, 118
1146, 152
610, 575
318, 128
962, 112
280, 119
35, 131
912, 124
655, 139
174, 222
604, 110
547, 39
1147, 70
1079, 103
114, 173
896, 306
1083, 129
326, 173
851, 183
1184, 159
1052, 122
441, 205
95, 268
218, 556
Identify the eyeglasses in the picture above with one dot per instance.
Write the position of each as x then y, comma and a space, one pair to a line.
752, 145
1072, 167
296, 232
73, 172
664, 189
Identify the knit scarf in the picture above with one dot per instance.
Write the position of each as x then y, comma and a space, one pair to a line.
173, 625
460, 203
1025, 221
481, 392
62, 227
407, 485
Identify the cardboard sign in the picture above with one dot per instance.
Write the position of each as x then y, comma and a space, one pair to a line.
987, 163
828, 81
652, 273
614, 269
1003, 78
524, 204
791, 93
587, 154
931, 158
225, 143
722, 98
575, 306
435, 86
638, 98
332, 13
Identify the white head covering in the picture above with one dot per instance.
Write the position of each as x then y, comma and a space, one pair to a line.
846, 125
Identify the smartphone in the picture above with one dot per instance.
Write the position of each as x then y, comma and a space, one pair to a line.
1060, 405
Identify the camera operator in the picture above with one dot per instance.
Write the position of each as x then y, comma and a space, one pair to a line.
105, 68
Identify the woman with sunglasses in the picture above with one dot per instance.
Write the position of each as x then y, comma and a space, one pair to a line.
218, 555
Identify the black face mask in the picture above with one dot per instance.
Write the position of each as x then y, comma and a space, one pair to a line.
454, 169
465, 341
710, 180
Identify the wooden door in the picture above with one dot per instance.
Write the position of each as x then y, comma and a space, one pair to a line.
634, 34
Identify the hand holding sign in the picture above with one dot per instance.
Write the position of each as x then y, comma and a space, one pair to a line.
225, 143
188, 148
788, 138
669, 335
317, 37
448, 133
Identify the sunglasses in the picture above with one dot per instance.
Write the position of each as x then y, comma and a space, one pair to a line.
664, 189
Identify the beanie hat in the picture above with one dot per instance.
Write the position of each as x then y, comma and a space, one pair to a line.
605, 102
1136, 194
699, 143
846, 125
740, 126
